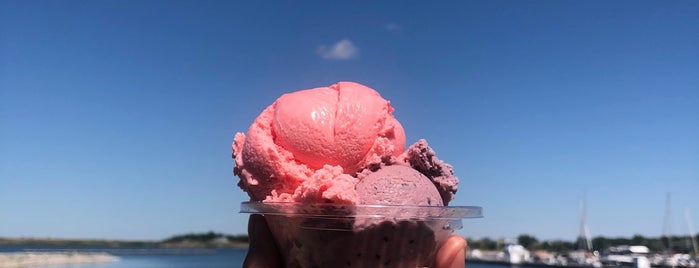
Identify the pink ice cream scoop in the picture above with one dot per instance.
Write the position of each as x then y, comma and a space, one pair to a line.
336, 125
307, 144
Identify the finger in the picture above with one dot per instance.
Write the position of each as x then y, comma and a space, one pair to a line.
452, 254
262, 251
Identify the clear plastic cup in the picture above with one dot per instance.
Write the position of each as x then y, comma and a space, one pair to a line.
341, 235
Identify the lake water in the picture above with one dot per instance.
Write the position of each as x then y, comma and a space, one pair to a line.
146, 258
218, 259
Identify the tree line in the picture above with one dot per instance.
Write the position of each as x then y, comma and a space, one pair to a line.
676, 244
205, 238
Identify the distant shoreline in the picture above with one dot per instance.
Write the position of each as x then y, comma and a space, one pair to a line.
108, 243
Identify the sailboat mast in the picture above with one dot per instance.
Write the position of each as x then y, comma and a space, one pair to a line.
690, 226
584, 241
667, 227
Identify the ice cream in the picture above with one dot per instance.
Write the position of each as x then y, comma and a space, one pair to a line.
398, 185
341, 145
417, 177
309, 145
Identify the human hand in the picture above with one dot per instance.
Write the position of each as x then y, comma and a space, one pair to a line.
263, 251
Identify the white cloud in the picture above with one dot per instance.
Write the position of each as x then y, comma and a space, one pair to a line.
342, 50
393, 28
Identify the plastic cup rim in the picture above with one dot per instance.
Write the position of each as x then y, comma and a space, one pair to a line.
325, 210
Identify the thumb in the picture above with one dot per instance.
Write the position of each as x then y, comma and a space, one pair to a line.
452, 254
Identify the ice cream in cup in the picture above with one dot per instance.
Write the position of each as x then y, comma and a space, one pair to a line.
335, 235
328, 170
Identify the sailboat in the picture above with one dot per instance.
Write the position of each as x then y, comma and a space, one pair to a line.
585, 255
669, 257
690, 227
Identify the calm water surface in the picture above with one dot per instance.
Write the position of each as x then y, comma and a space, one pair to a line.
152, 258
219, 258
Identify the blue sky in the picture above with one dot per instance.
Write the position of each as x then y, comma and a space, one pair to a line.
116, 117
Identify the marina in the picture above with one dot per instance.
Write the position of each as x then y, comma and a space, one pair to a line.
623, 256
585, 254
